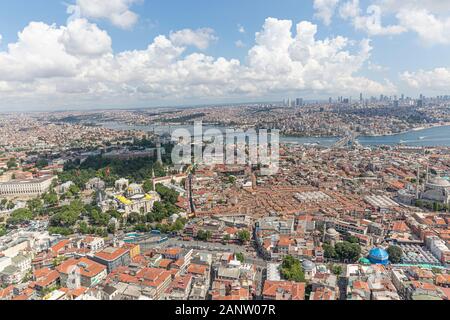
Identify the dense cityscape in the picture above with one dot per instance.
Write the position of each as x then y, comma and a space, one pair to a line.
212, 159
94, 211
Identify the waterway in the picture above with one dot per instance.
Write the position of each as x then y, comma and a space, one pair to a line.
431, 137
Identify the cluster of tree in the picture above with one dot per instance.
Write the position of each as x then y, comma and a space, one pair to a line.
351, 238
204, 235
292, 270
175, 227
147, 185
395, 254
167, 194
68, 215
2, 230
136, 170
60, 230
12, 163
99, 218
50, 199
240, 257
36, 206
5, 204
77, 176
244, 236
161, 211
41, 163
20, 216
163, 228
336, 269
343, 251
84, 228
73, 191
435, 206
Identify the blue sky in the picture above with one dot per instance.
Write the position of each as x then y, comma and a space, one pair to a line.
403, 58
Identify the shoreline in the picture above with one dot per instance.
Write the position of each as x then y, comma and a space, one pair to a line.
417, 129
447, 124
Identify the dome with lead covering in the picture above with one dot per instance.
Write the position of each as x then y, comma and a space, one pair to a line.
332, 231
308, 265
441, 182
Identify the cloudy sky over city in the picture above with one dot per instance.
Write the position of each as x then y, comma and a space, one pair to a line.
136, 53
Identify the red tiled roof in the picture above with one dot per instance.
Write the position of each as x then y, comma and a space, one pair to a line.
295, 290
59, 246
86, 267
322, 294
443, 279
165, 263
111, 254
284, 241
48, 279
197, 269
180, 282
4, 293
361, 285
75, 293
153, 277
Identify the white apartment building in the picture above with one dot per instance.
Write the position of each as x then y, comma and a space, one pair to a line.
29, 187
438, 248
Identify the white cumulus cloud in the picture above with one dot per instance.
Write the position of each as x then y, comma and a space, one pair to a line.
74, 65
429, 27
429, 19
116, 11
83, 38
325, 10
436, 80
200, 38
369, 22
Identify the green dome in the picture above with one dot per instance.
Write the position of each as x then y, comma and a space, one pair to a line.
364, 261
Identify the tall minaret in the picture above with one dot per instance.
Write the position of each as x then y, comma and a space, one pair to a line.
417, 182
158, 150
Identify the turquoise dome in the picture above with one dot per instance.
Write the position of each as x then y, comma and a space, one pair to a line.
378, 256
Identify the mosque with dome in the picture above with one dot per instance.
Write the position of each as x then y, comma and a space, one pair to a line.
436, 189
378, 256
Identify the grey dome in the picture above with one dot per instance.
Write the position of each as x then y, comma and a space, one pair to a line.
308, 265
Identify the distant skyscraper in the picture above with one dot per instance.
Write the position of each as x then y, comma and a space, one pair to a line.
361, 97
288, 103
298, 102
395, 103
420, 103
330, 100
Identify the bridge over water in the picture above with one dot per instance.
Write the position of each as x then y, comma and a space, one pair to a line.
346, 141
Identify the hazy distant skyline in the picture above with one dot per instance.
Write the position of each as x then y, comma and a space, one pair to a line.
85, 54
